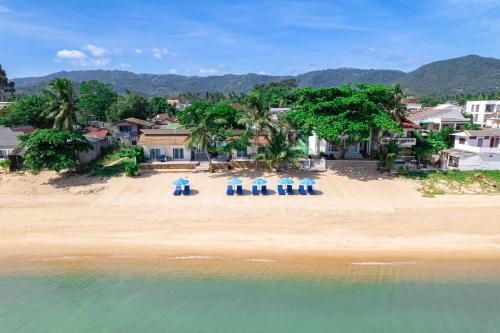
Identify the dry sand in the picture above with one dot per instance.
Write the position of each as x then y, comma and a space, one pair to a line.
358, 216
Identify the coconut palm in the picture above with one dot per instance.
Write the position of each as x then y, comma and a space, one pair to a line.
201, 137
255, 115
61, 109
279, 150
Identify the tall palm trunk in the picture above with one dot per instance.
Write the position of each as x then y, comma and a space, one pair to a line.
209, 158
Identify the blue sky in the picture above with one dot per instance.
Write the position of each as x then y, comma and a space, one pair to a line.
218, 37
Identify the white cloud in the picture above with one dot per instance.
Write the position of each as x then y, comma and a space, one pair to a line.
125, 65
137, 51
71, 54
4, 9
96, 62
172, 71
208, 71
96, 51
261, 72
366, 51
159, 53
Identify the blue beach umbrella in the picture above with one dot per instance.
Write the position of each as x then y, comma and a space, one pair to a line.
285, 181
259, 181
307, 182
180, 182
234, 182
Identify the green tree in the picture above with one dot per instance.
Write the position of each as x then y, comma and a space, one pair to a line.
256, 115
53, 149
95, 99
26, 110
6, 86
61, 108
156, 105
276, 94
387, 155
128, 105
343, 116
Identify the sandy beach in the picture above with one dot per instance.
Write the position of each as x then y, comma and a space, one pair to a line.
357, 216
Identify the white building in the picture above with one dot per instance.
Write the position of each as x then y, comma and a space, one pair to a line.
474, 150
439, 117
412, 105
493, 120
480, 110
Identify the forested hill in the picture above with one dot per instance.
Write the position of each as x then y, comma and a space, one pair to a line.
468, 74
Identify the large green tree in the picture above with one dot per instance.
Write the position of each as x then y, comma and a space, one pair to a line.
279, 150
6, 87
53, 149
26, 110
128, 105
343, 116
95, 99
61, 109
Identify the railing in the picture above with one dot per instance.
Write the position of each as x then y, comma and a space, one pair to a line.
479, 150
127, 134
399, 141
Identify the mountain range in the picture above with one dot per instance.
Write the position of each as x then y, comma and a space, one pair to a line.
464, 75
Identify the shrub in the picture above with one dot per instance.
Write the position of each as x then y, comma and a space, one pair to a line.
131, 168
5, 164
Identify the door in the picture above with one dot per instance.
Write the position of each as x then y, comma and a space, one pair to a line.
154, 154
480, 142
178, 153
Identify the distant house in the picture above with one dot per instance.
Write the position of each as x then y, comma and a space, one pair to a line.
100, 141
4, 104
493, 120
474, 150
9, 145
164, 119
439, 117
275, 112
412, 105
481, 110
126, 131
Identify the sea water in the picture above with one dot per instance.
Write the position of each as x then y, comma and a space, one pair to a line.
92, 302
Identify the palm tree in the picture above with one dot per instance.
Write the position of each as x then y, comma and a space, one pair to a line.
255, 115
279, 150
395, 107
61, 109
200, 137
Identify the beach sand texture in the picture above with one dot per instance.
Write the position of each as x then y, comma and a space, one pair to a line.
356, 213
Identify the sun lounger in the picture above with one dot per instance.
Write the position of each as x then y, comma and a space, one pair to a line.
302, 190
163, 158
178, 190
263, 190
187, 190
255, 190
239, 190
289, 189
230, 190
281, 191
310, 189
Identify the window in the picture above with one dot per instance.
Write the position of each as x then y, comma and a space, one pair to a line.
241, 153
125, 129
490, 108
472, 108
480, 142
477, 108
3, 153
473, 137
134, 142
154, 154
178, 153
494, 142
461, 141
476, 118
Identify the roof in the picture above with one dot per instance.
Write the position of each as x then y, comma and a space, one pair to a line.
98, 133
406, 123
446, 112
459, 153
24, 129
173, 139
165, 131
137, 121
495, 115
8, 139
165, 117
481, 132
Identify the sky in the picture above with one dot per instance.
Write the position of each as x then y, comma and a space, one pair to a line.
278, 37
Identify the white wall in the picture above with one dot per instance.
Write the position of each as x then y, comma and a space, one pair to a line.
478, 110
167, 150
480, 162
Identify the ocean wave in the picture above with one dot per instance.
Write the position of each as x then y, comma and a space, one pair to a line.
380, 263
192, 258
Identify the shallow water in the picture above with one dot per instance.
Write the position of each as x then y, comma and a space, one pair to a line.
120, 303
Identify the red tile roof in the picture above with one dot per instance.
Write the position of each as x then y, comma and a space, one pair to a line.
405, 123
99, 133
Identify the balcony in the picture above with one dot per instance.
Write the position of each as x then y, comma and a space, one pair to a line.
478, 150
402, 142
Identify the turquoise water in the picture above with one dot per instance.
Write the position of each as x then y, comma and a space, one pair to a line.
117, 303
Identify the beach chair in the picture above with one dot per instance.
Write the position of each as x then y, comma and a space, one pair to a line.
178, 190
263, 190
239, 190
163, 158
230, 190
289, 189
281, 191
255, 190
187, 190
310, 189
302, 190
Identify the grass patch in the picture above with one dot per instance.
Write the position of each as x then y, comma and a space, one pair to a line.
457, 182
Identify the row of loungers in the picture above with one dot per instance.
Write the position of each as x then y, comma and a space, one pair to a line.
263, 190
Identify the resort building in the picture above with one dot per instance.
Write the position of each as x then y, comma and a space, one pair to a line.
9, 145
439, 117
164, 145
480, 110
163, 119
474, 150
275, 112
412, 105
126, 131
493, 120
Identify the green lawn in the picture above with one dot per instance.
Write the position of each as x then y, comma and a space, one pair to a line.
457, 182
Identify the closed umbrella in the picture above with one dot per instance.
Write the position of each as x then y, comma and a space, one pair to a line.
259, 181
234, 182
285, 181
307, 182
180, 182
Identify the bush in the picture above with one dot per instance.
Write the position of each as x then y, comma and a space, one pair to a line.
131, 168
5, 164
